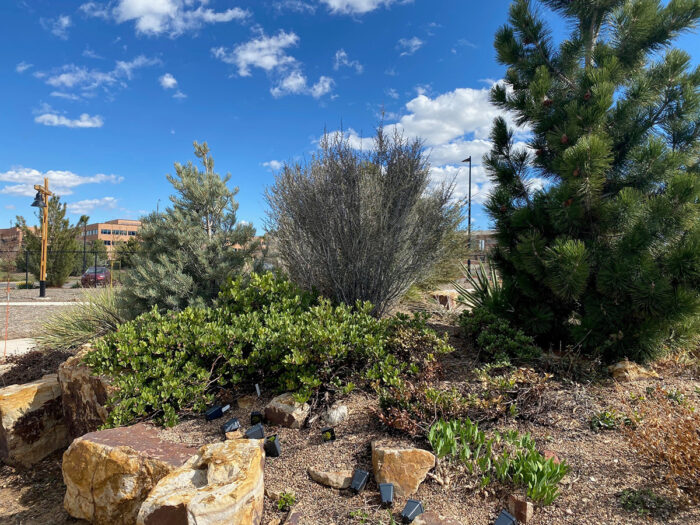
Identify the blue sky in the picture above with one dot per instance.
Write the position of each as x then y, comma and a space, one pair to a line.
105, 96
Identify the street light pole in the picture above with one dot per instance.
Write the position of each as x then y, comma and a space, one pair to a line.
42, 201
469, 215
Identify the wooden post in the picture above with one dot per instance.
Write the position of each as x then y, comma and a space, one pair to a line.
44, 190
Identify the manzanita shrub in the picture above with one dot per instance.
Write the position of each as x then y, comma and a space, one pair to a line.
263, 330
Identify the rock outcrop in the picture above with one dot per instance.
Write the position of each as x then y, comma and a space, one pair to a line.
84, 395
283, 410
221, 485
31, 421
405, 468
108, 474
337, 479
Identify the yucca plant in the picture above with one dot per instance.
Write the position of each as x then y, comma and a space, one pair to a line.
482, 290
97, 314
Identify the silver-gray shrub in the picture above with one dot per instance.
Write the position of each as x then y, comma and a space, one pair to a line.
361, 225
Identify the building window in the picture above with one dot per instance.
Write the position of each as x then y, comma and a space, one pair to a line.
132, 233
108, 243
106, 232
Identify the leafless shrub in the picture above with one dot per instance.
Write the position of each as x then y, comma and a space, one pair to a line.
361, 225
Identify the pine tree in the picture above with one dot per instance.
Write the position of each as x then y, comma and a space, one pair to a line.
188, 251
607, 255
62, 254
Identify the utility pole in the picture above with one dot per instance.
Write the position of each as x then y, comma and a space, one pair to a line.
42, 201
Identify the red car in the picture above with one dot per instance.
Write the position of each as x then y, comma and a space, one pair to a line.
96, 276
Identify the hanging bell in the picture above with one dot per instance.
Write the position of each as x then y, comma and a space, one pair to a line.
39, 201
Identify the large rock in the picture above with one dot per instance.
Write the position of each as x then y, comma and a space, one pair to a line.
84, 395
108, 474
283, 410
405, 468
522, 509
221, 485
31, 421
337, 479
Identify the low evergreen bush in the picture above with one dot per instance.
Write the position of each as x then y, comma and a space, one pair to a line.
262, 330
497, 338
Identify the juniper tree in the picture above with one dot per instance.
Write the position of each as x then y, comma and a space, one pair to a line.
608, 254
62, 244
188, 251
361, 225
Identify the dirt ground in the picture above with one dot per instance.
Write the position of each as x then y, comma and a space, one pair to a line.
602, 463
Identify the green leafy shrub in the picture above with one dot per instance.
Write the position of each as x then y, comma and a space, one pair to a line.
496, 337
644, 502
25, 285
262, 330
508, 457
286, 501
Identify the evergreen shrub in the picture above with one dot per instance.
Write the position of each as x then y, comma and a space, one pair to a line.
497, 338
263, 330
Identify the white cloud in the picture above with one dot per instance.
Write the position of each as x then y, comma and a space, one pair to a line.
273, 165
67, 96
89, 53
358, 7
267, 53
83, 121
61, 182
22, 67
168, 81
86, 206
296, 6
156, 17
57, 26
408, 46
391, 92
179, 95
342, 60
86, 81
10, 206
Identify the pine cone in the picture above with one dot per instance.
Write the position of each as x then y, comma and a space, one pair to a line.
587, 96
564, 139
547, 102
576, 172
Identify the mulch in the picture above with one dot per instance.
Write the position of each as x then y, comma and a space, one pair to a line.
32, 366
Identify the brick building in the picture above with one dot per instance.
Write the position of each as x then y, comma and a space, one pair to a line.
111, 233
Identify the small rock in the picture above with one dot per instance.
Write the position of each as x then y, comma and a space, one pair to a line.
405, 468
275, 521
569, 512
339, 479
246, 402
549, 454
283, 410
236, 434
433, 518
336, 415
295, 517
522, 509
626, 371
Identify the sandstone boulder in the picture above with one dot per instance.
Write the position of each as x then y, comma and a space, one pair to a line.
337, 479
108, 474
283, 410
433, 518
405, 468
221, 485
31, 421
84, 395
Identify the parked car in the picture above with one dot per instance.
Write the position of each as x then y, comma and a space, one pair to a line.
96, 276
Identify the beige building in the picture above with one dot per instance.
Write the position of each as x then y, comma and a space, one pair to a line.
110, 233
10, 239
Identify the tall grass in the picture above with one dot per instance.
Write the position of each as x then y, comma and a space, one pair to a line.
97, 314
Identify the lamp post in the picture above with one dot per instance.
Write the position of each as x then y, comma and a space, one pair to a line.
42, 201
469, 214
